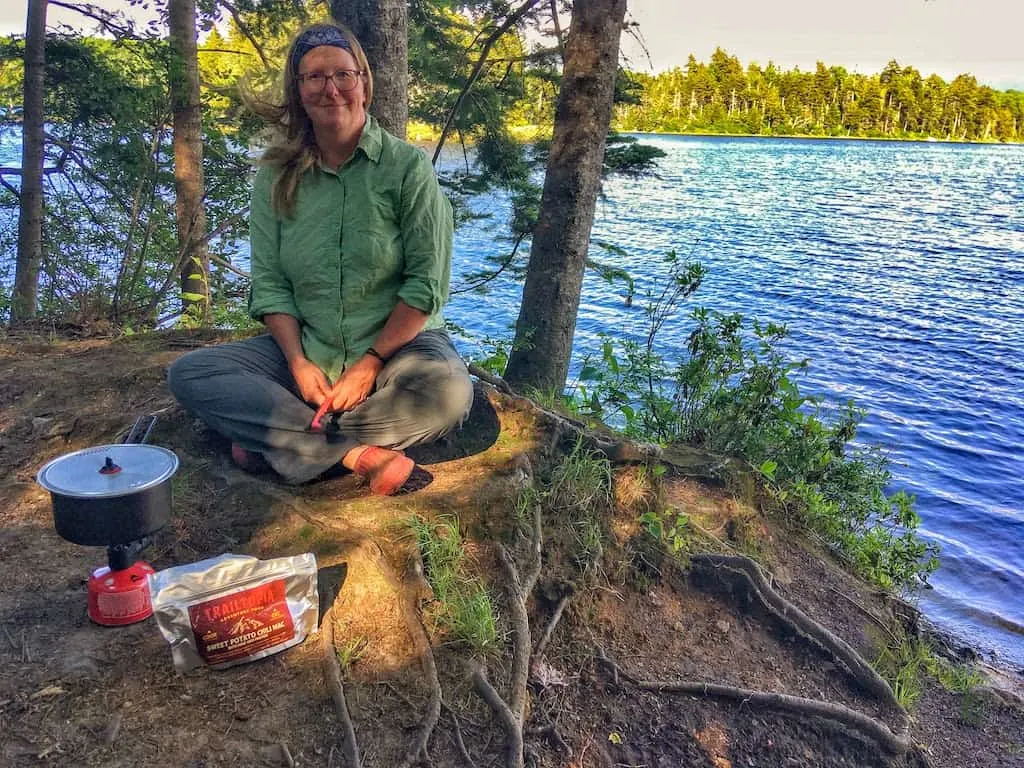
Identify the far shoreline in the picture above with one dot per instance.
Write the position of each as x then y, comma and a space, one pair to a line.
819, 137
419, 135
422, 136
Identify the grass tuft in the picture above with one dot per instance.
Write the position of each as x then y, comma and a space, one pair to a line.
905, 666
579, 492
463, 607
351, 652
582, 481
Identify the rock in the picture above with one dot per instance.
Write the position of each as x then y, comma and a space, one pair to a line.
723, 626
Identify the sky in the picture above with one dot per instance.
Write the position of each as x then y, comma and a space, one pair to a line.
945, 37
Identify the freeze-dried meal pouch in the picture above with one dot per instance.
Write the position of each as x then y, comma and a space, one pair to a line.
234, 608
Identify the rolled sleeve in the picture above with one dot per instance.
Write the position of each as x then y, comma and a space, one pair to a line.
271, 290
427, 228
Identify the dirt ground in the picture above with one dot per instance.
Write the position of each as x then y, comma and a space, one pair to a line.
76, 694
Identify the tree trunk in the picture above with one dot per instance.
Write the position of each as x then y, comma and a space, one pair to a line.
194, 259
382, 27
33, 144
551, 296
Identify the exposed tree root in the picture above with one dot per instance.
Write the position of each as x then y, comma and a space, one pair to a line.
457, 730
739, 568
550, 731
891, 743
870, 614
512, 715
509, 723
490, 378
552, 624
332, 673
407, 590
520, 589
684, 461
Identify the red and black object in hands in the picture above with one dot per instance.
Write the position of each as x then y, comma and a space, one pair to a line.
319, 423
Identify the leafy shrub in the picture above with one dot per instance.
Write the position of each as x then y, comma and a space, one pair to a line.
735, 394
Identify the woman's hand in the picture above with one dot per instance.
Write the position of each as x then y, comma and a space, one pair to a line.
311, 381
355, 384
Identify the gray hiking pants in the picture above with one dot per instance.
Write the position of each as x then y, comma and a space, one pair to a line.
245, 391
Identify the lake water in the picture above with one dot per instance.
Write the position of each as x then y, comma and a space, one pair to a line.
898, 269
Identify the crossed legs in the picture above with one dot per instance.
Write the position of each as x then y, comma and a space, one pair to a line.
245, 391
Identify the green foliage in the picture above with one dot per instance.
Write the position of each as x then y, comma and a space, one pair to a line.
671, 528
905, 664
110, 248
964, 681
721, 97
735, 394
471, 619
463, 606
581, 483
350, 652
627, 156
579, 492
495, 355
902, 666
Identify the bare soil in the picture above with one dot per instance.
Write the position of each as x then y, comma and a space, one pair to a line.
73, 693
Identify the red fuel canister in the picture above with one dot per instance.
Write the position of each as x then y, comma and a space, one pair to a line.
120, 597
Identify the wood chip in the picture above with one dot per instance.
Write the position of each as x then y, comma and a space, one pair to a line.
50, 690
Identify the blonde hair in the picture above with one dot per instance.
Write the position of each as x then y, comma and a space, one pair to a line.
293, 149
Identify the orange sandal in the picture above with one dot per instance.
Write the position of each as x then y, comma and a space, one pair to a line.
247, 460
386, 470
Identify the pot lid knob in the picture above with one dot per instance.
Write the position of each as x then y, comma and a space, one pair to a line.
109, 467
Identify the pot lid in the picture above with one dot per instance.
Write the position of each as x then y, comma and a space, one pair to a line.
108, 471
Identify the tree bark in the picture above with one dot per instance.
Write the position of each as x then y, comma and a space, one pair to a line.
382, 27
193, 254
33, 144
551, 296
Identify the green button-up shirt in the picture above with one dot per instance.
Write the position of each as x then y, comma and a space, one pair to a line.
377, 230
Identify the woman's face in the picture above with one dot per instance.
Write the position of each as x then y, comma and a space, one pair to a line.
331, 109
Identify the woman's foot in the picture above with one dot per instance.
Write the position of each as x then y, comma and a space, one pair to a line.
384, 469
250, 461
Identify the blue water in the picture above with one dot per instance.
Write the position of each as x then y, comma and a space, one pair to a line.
898, 269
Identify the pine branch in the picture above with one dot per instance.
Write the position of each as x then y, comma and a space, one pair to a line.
510, 22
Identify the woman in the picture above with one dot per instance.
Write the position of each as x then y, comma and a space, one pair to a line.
351, 242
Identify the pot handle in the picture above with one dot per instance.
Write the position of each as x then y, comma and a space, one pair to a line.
139, 433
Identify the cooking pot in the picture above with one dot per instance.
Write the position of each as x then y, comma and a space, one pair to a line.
110, 495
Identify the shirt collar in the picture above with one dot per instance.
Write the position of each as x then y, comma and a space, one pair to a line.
370, 140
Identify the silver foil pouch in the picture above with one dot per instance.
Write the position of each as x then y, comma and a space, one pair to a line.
232, 609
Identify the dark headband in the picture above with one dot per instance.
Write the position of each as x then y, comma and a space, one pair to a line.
314, 37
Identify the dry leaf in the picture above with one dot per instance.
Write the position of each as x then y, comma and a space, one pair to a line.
546, 675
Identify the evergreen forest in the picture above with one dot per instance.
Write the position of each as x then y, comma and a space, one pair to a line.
721, 96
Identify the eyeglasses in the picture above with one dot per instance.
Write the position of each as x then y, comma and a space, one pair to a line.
344, 79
